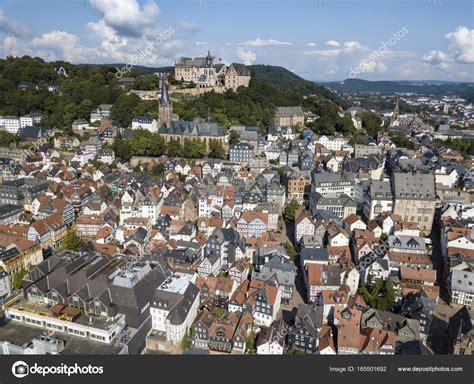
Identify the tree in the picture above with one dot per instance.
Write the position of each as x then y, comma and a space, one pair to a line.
145, 143
234, 137
290, 211
186, 342
7, 138
194, 149
291, 250
217, 150
158, 170
371, 122
174, 148
380, 294
122, 149
324, 126
219, 312
123, 109
345, 125
401, 141
18, 278
250, 343
71, 242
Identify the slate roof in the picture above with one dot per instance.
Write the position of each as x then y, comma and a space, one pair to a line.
193, 128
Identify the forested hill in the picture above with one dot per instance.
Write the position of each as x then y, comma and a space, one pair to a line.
285, 80
88, 86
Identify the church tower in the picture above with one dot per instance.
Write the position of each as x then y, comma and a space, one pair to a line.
165, 108
395, 120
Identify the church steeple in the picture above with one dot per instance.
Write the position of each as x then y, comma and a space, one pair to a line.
395, 120
165, 108
164, 100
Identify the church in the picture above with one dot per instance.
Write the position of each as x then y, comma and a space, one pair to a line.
180, 130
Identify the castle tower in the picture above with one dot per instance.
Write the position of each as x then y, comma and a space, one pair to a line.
209, 59
165, 108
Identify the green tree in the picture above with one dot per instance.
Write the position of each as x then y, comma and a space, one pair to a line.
250, 343
379, 295
290, 210
174, 148
122, 149
7, 138
371, 122
290, 249
186, 342
158, 170
123, 109
71, 242
345, 125
18, 277
219, 312
194, 149
145, 143
401, 141
217, 150
325, 125
234, 137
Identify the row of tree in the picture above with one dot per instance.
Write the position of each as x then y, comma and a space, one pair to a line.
146, 143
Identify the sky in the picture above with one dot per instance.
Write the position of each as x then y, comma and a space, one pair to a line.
321, 40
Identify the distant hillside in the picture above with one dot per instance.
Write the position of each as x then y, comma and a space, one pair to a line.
424, 88
140, 69
285, 80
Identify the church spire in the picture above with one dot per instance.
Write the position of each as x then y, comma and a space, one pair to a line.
395, 121
164, 100
165, 108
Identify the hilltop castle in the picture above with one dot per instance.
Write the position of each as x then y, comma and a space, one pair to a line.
205, 72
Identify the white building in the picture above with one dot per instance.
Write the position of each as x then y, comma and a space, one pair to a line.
145, 122
333, 143
378, 199
11, 124
460, 286
175, 306
30, 120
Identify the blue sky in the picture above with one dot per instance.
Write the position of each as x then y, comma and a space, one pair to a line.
317, 39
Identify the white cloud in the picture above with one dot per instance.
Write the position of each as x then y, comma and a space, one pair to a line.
260, 42
9, 45
352, 46
248, 57
311, 44
348, 47
11, 27
371, 66
462, 42
437, 57
127, 17
56, 39
333, 43
189, 26
200, 43
323, 52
